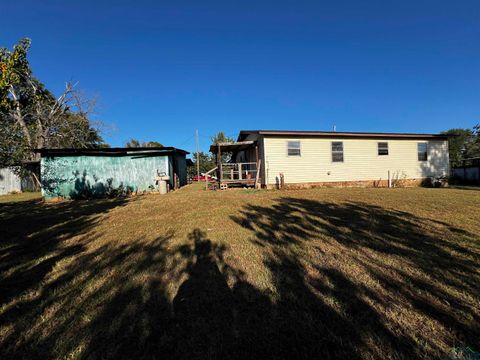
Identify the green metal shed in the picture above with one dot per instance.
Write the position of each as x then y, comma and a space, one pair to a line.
77, 173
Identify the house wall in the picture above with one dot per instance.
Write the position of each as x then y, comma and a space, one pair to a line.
68, 176
361, 160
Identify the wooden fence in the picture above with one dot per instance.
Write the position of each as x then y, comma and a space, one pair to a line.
468, 172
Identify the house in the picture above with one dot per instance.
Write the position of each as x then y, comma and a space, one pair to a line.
76, 173
317, 158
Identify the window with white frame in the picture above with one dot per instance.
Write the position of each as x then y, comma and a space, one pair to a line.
422, 151
382, 148
337, 151
293, 148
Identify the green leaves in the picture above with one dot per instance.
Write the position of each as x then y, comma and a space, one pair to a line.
463, 144
31, 117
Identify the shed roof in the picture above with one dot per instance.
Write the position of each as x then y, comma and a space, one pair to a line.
334, 134
150, 151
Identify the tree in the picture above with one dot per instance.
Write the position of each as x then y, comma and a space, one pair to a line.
31, 117
134, 143
219, 138
463, 144
207, 163
474, 150
459, 142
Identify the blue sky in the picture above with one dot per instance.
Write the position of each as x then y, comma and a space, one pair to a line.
161, 69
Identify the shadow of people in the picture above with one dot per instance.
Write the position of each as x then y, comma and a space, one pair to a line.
204, 305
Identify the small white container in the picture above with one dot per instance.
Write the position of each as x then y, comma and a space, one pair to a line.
162, 187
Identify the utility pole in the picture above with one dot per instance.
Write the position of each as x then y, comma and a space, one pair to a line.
198, 156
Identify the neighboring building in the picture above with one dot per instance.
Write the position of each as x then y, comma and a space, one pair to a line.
9, 182
74, 173
12, 183
315, 158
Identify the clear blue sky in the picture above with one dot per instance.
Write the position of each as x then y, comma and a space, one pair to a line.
161, 69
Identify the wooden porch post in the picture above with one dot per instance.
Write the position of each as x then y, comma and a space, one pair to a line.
219, 159
257, 160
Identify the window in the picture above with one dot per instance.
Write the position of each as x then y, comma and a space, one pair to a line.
422, 151
383, 148
293, 148
337, 151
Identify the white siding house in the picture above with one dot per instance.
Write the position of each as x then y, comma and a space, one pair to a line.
348, 159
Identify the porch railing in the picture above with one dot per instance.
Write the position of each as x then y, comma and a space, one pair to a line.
238, 171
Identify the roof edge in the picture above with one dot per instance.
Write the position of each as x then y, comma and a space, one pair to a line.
341, 134
109, 151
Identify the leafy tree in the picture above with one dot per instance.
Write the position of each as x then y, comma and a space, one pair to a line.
153, 144
463, 144
134, 143
459, 142
31, 117
474, 150
219, 138
207, 163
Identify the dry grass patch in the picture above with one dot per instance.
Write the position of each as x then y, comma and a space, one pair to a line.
321, 273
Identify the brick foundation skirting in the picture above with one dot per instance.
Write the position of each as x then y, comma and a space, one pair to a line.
359, 183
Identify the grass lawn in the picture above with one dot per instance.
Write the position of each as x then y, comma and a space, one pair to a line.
26, 196
313, 274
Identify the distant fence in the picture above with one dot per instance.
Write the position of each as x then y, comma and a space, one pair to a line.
468, 172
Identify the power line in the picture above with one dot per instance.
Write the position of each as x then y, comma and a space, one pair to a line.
190, 138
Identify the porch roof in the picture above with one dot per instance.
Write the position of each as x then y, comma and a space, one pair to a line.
235, 146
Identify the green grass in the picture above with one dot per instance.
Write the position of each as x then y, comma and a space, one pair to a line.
314, 274
25, 196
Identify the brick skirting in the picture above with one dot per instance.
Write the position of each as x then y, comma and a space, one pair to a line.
360, 183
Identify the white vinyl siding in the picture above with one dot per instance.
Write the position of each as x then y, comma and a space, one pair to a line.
361, 160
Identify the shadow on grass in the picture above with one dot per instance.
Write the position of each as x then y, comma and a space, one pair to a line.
33, 239
335, 283
368, 261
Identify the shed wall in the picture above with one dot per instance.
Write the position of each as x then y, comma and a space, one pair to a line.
181, 168
70, 175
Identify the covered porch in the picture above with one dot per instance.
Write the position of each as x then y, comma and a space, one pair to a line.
243, 167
